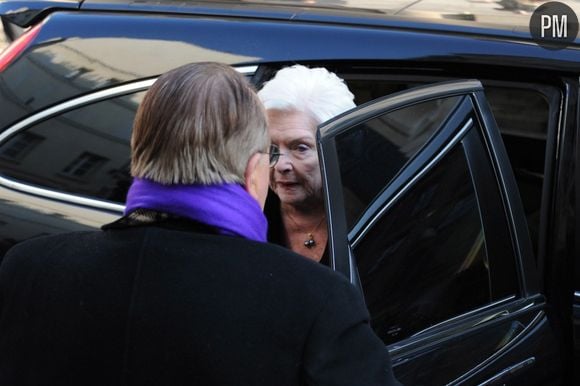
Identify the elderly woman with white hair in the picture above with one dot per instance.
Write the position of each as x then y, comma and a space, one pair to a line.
297, 100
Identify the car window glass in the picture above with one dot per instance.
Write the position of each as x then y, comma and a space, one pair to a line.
523, 112
523, 117
373, 153
498, 241
425, 260
518, 111
84, 152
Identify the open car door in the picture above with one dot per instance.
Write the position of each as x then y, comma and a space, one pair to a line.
426, 219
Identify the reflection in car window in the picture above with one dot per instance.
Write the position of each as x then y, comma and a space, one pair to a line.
523, 117
523, 112
382, 146
425, 260
20, 146
84, 152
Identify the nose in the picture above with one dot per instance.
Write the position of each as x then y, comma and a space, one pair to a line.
284, 164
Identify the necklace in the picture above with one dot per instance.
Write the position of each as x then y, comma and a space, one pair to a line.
309, 242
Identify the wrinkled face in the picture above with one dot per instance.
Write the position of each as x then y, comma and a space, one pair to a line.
296, 177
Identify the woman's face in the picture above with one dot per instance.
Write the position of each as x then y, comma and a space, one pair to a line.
296, 176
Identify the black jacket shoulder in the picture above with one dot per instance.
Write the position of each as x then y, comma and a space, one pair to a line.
151, 305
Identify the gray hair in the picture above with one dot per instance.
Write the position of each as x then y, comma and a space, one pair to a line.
199, 123
315, 91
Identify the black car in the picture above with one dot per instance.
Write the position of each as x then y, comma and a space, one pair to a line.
451, 190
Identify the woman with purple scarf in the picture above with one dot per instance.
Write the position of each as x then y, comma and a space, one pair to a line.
183, 289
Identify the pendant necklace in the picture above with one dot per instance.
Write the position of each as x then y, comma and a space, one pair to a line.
309, 242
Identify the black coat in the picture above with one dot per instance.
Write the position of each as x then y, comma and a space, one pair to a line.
155, 305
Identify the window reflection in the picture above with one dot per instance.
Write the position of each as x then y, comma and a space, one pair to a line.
84, 152
18, 147
425, 260
382, 146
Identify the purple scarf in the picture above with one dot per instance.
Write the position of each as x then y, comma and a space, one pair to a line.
226, 207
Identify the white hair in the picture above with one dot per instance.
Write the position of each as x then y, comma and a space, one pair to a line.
315, 91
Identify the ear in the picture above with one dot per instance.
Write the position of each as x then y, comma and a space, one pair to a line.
253, 178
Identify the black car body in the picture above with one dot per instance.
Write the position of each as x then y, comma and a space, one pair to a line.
451, 201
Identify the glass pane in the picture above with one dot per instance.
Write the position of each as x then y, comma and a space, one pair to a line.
425, 260
498, 242
372, 153
523, 117
519, 112
84, 152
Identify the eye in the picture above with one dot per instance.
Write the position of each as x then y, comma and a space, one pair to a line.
302, 148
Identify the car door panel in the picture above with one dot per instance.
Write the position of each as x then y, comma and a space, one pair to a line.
437, 240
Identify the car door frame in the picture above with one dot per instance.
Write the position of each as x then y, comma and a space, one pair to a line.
530, 300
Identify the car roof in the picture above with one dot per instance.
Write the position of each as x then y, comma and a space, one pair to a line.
487, 17
502, 19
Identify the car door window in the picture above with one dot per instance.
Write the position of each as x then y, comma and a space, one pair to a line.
83, 152
430, 240
79, 150
382, 146
524, 111
425, 260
